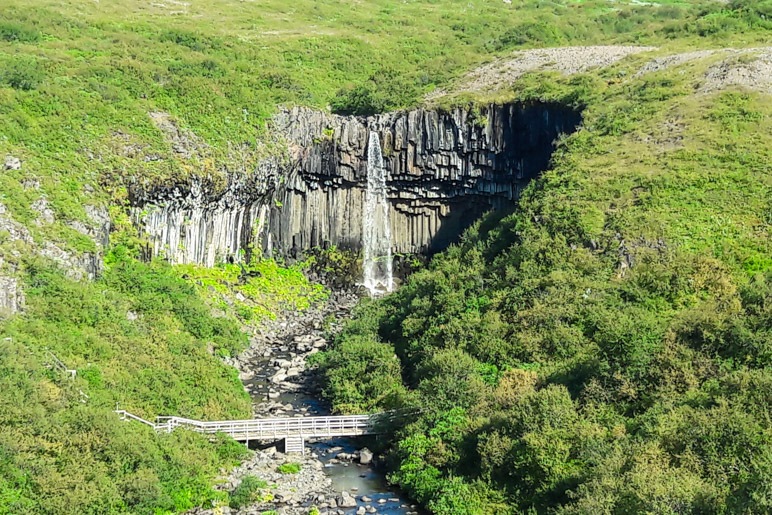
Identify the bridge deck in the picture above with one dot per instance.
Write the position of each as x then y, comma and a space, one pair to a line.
269, 428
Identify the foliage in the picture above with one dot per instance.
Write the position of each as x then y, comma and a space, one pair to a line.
258, 290
137, 338
289, 468
334, 266
605, 348
249, 491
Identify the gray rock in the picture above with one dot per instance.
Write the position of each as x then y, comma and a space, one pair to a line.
346, 500
442, 169
365, 456
12, 163
11, 296
45, 213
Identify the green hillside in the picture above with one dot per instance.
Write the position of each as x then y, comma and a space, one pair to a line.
603, 349
79, 79
606, 347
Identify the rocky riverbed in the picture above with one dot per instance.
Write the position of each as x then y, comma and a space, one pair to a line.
334, 477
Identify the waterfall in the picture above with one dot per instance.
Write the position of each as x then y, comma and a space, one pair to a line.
376, 234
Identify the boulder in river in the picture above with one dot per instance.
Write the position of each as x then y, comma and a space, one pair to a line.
346, 500
365, 456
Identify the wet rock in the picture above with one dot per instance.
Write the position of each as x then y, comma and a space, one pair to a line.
365, 456
444, 169
346, 500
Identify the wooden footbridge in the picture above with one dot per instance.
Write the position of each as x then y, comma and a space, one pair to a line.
293, 430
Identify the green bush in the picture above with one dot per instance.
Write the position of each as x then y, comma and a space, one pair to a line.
155, 362
603, 349
249, 491
361, 100
289, 468
19, 73
18, 32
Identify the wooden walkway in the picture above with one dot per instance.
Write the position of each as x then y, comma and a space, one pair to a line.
293, 430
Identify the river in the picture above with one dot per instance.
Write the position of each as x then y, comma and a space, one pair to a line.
275, 374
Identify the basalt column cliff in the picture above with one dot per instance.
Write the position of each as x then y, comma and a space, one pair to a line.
443, 170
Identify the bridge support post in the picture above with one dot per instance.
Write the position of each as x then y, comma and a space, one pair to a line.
294, 444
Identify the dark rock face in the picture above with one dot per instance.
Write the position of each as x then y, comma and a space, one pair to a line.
444, 171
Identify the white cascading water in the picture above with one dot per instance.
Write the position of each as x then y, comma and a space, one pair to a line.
376, 241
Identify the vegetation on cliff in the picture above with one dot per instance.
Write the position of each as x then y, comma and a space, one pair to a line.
99, 94
606, 347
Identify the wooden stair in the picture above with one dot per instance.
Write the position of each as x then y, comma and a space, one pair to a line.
294, 445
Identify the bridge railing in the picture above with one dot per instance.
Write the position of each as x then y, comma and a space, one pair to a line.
276, 427
125, 415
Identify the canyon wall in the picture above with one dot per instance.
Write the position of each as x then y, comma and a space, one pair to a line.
444, 170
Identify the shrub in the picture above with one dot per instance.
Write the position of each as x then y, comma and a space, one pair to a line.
17, 32
248, 492
190, 40
361, 100
289, 468
21, 74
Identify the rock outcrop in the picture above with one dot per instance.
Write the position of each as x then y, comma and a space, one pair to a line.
11, 296
444, 170
20, 242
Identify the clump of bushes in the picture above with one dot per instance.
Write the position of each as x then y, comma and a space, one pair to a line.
15, 32
289, 468
575, 357
250, 491
20, 73
385, 90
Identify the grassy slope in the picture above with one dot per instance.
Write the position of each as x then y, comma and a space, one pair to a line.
78, 79
142, 338
62, 448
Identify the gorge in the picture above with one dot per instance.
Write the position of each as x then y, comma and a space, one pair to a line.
442, 171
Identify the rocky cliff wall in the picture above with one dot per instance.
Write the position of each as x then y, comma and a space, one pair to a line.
198, 221
444, 170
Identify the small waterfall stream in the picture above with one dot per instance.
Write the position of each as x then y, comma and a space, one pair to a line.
376, 234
